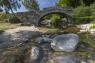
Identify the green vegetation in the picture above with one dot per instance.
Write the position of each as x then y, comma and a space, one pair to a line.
87, 38
54, 20
31, 4
86, 46
8, 18
84, 14
5, 26
74, 3
93, 26
14, 20
4, 17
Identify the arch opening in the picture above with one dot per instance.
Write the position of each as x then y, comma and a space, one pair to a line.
64, 21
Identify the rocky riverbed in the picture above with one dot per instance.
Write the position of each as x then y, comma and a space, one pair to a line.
30, 45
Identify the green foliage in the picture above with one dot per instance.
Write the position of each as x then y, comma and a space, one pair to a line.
88, 2
74, 3
92, 8
82, 14
31, 4
70, 3
86, 47
55, 20
81, 11
88, 39
53, 31
8, 18
13, 19
4, 17
9, 5
63, 3
6, 26
93, 26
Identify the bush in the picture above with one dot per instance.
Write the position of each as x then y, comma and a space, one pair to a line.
4, 17
93, 26
54, 20
13, 19
92, 8
82, 14
87, 38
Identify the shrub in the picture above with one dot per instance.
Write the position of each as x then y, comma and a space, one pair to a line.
82, 14
93, 26
54, 20
4, 17
13, 19
92, 8
87, 38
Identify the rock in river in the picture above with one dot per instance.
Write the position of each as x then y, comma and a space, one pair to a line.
18, 35
65, 42
43, 40
34, 53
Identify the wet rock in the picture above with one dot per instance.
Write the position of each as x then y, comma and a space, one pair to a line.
15, 36
43, 40
34, 53
65, 42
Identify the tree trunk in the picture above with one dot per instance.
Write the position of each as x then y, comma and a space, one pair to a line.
12, 9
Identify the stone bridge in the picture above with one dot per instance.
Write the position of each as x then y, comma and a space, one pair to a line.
35, 17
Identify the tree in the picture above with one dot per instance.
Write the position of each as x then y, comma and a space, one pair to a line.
88, 2
31, 4
10, 5
74, 3
63, 3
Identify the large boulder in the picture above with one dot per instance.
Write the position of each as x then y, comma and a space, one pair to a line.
18, 35
65, 42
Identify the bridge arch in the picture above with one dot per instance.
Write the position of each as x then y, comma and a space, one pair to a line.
55, 10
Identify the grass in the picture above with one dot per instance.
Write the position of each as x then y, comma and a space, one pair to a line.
93, 26
5, 26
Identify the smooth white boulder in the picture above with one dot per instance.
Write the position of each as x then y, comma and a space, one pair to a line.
65, 42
